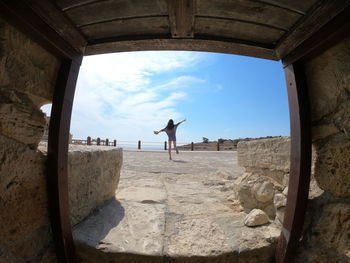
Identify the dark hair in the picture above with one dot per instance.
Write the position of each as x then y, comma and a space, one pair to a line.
170, 125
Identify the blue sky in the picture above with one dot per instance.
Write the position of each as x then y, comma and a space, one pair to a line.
125, 96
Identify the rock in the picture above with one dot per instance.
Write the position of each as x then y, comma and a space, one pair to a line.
20, 119
285, 191
94, 177
328, 79
328, 239
279, 200
332, 168
280, 214
255, 191
243, 189
256, 217
23, 191
26, 66
263, 191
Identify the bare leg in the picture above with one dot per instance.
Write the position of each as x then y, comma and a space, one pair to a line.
169, 150
177, 151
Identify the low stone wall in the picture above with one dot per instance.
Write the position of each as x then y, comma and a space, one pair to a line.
94, 176
264, 183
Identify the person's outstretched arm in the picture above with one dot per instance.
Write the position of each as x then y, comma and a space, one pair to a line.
156, 132
181, 122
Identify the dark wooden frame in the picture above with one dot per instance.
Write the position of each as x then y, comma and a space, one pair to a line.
21, 15
57, 159
300, 125
27, 20
300, 163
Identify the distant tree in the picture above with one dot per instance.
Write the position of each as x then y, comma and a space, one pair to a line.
221, 140
205, 140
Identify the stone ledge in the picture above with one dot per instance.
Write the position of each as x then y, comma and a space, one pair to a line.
94, 173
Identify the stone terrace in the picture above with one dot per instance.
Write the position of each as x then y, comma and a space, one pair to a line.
174, 211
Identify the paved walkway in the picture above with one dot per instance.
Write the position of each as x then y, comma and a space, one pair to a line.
174, 211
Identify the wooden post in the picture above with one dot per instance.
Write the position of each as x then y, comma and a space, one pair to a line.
192, 146
218, 146
107, 142
139, 145
88, 140
115, 143
57, 159
165, 146
98, 141
300, 163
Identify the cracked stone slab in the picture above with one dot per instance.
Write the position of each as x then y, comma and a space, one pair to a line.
123, 227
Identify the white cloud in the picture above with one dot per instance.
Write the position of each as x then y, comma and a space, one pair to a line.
119, 96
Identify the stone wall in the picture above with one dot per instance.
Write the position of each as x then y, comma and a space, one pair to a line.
327, 234
264, 183
94, 176
27, 77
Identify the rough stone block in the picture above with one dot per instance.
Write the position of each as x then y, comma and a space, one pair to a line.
20, 119
24, 217
271, 154
328, 79
25, 66
332, 168
94, 177
328, 238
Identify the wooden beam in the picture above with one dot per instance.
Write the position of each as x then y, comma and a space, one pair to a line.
330, 34
58, 20
57, 169
321, 14
300, 167
165, 43
21, 15
181, 18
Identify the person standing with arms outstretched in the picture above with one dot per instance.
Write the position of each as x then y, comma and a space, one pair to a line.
170, 130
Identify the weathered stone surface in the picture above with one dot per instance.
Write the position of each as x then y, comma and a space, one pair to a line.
192, 215
280, 214
332, 168
22, 188
328, 79
94, 173
128, 227
262, 186
20, 119
25, 66
24, 218
254, 191
256, 217
263, 191
328, 238
270, 154
279, 200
